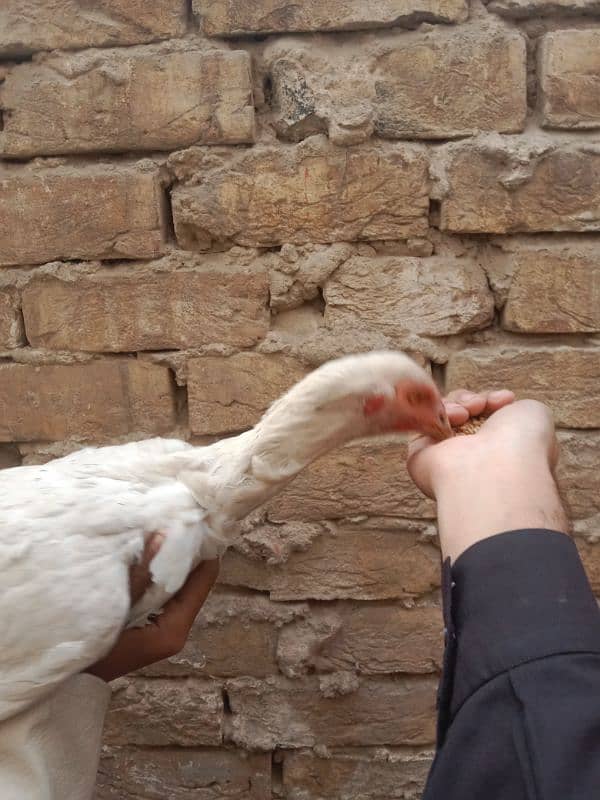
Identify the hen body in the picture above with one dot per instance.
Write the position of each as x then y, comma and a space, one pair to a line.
70, 529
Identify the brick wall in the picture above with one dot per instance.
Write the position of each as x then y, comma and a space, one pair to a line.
198, 202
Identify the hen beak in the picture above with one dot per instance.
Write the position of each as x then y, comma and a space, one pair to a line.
440, 428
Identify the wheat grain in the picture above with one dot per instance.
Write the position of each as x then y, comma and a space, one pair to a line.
471, 426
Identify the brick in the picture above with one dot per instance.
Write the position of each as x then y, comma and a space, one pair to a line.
230, 394
162, 712
361, 478
278, 16
97, 211
368, 638
11, 322
67, 24
570, 79
531, 9
506, 186
433, 297
371, 563
198, 774
217, 651
367, 774
88, 402
122, 100
452, 84
570, 277
566, 378
408, 87
172, 303
578, 471
311, 192
227, 618
304, 713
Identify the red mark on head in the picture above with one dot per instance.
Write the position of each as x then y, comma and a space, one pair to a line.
373, 404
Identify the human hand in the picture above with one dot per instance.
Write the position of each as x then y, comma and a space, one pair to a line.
167, 634
427, 456
495, 480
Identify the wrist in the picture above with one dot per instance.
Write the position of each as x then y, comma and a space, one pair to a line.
483, 499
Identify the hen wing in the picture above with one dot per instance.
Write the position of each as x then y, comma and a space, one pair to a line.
68, 532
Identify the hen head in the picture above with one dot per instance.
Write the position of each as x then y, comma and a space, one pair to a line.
403, 397
378, 392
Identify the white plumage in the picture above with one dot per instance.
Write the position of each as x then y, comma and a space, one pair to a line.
70, 529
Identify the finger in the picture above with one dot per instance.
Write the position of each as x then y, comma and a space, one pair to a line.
472, 401
461, 396
498, 399
457, 414
455, 394
140, 577
182, 609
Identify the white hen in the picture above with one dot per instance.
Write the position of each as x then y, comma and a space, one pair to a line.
70, 530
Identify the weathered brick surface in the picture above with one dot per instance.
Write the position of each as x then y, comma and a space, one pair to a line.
230, 394
570, 276
65, 24
530, 9
228, 618
566, 378
357, 563
89, 211
172, 303
198, 774
435, 296
152, 712
422, 89
281, 16
297, 274
409, 87
342, 711
578, 474
347, 636
122, 100
11, 323
369, 775
362, 478
570, 79
84, 401
311, 192
505, 186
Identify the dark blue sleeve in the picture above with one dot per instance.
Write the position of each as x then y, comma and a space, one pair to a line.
519, 700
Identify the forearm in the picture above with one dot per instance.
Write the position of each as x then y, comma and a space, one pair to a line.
493, 495
51, 751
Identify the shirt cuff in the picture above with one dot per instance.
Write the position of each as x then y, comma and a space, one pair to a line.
516, 597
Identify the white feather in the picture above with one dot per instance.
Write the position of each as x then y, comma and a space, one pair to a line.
70, 529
